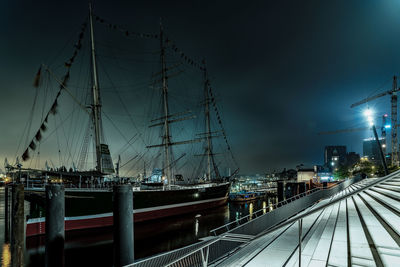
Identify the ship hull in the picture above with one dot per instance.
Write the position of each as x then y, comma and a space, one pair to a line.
90, 209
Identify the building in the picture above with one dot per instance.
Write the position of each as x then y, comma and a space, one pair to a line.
322, 174
371, 150
335, 156
305, 175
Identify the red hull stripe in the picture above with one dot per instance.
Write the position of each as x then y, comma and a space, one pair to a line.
37, 226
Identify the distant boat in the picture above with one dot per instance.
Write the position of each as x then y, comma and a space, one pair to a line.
243, 196
88, 194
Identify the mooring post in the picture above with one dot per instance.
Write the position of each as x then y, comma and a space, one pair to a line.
6, 215
123, 225
55, 229
281, 191
17, 231
302, 187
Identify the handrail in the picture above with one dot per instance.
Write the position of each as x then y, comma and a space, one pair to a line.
217, 239
278, 204
332, 202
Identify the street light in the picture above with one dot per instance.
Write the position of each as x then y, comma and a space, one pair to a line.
369, 114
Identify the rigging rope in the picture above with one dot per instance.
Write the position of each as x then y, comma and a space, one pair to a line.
220, 122
53, 108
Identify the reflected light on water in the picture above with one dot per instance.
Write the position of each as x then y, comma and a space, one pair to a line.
196, 227
6, 255
264, 207
251, 210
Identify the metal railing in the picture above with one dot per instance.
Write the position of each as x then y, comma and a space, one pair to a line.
228, 227
247, 218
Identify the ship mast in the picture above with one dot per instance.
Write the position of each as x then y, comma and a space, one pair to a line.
166, 137
209, 150
96, 107
207, 121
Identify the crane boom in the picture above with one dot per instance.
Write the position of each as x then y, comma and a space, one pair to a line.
393, 93
345, 130
351, 130
365, 100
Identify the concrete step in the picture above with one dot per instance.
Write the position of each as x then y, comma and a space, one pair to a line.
361, 230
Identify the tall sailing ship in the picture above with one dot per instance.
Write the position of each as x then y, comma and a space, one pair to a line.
185, 175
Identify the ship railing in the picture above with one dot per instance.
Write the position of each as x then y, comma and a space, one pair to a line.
198, 186
231, 225
41, 187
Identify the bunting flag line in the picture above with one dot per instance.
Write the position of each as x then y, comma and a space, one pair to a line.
77, 46
179, 52
125, 31
38, 136
53, 109
43, 127
25, 156
32, 145
220, 122
37, 80
168, 42
64, 82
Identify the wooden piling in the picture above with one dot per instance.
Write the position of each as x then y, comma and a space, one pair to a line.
17, 230
281, 191
6, 215
55, 227
123, 225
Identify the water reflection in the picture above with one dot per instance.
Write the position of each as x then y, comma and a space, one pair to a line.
94, 248
6, 255
196, 228
264, 207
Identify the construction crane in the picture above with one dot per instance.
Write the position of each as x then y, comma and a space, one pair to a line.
393, 93
383, 128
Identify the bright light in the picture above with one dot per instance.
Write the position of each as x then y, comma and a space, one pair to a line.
388, 126
383, 145
368, 113
332, 163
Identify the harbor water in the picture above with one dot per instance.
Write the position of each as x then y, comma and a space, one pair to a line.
95, 247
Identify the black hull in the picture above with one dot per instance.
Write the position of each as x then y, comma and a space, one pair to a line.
93, 208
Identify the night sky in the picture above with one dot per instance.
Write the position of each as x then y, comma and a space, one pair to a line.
285, 70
